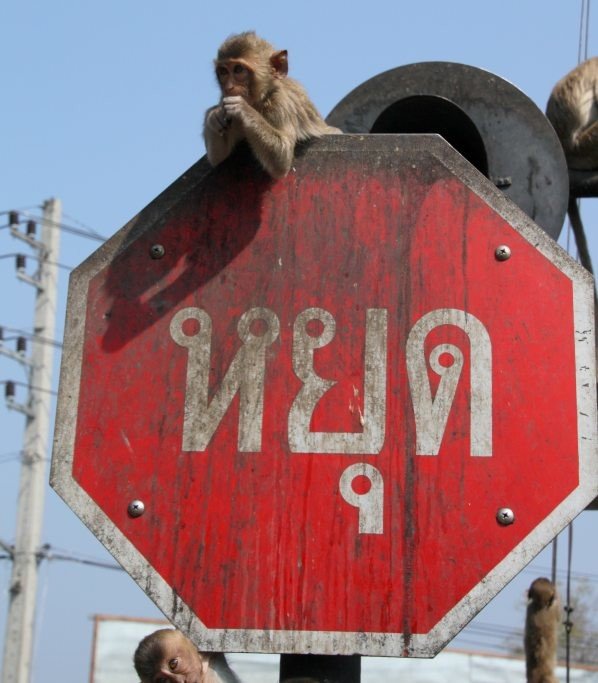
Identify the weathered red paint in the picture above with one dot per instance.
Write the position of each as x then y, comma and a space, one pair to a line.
264, 540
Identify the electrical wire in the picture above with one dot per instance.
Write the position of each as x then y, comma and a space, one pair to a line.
89, 233
584, 31
47, 553
37, 258
24, 384
80, 232
81, 224
15, 456
6, 547
568, 608
21, 209
31, 336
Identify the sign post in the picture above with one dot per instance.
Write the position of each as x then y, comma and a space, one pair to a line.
324, 415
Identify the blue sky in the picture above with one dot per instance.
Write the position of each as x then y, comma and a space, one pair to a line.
103, 106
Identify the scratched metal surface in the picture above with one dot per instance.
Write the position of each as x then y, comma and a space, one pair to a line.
322, 393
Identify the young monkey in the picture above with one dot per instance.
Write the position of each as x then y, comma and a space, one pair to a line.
573, 111
540, 638
167, 656
260, 104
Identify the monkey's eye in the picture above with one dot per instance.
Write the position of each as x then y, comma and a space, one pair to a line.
173, 663
240, 73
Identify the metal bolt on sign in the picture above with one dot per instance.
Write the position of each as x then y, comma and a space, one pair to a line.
136, 508
502, 253
505, 516
157, 251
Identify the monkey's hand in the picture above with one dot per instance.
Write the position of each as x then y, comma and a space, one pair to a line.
272, 146
236, 108
217, 120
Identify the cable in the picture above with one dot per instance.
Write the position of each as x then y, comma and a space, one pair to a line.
562, 573
89, 233
568, 609
48, 554
22, 209
24, 384
80, 232
6, 547
32, 336
12, 457
37, 258
584, 31
81, 224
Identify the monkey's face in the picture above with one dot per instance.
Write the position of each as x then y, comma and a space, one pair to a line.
179, 662
234, 77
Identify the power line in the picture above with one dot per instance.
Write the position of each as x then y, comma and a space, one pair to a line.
89, 233
15, 383
48, 554
36, 258
78, 231
562, 574
13, 457
29, 335
584, 31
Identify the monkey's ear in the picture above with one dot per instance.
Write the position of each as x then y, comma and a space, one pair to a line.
280, 63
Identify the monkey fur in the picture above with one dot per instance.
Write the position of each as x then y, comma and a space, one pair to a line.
573, 111
259, 104
169, 656
541, 637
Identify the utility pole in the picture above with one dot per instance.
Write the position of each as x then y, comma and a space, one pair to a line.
18, 644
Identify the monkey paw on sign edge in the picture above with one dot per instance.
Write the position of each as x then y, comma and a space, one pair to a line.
259, 104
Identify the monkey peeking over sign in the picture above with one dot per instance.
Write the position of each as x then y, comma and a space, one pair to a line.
260, 104
167, 656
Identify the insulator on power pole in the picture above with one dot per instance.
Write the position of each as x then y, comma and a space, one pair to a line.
31, 228
9, 389
21, 262
21, 344
13, 218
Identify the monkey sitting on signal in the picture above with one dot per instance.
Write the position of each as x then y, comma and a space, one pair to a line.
168, 656
573, 111
260, 104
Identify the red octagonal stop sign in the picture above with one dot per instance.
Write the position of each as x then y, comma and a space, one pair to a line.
350, 405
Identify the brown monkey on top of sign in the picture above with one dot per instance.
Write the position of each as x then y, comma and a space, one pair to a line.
167, 656
573, 111
540, 639
260, 104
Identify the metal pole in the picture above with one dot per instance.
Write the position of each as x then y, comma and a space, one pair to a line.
320, 669
18, 644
